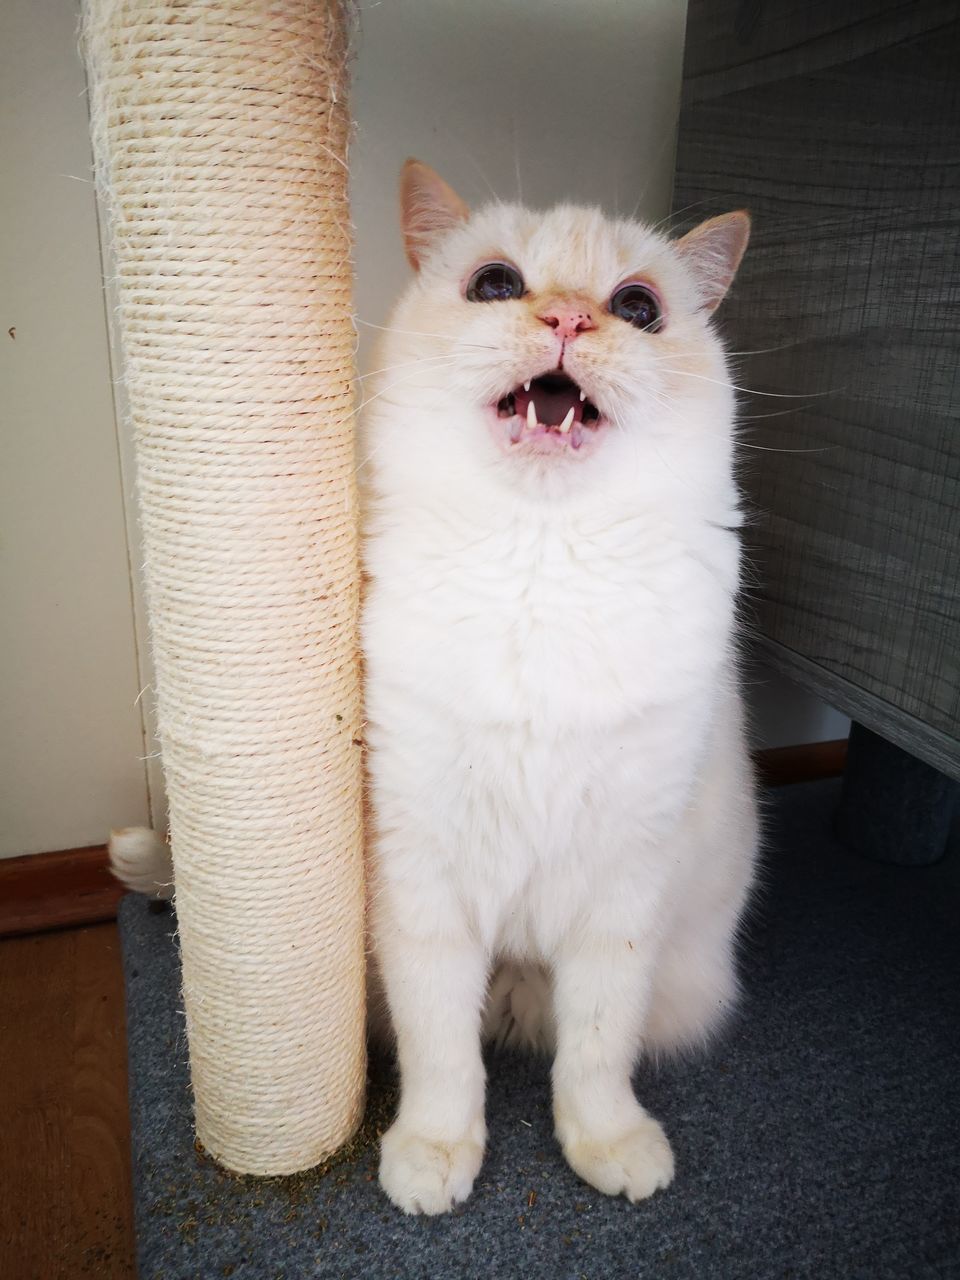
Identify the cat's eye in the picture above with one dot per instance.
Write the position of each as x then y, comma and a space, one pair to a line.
495, 282
639, 306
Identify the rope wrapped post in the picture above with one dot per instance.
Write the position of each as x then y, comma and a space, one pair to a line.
220, 135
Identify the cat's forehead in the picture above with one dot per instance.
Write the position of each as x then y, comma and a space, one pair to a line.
565, 248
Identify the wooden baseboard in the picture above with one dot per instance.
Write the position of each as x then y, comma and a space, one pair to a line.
807, 762
57, 890
74, 886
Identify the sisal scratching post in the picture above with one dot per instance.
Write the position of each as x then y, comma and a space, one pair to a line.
220, 135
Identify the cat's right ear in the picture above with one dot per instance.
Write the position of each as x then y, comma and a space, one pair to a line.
429, 207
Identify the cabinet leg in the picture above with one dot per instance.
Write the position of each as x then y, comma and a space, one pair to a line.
893, 807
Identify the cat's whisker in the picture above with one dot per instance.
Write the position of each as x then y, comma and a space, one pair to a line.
449, 358
612, 413
762, 448
397, 382
369, 458
479, 168
675, 213
762, 351
684, 480
757, 351
754, 391
425, 333
652, 169
744, 444
775, 413
516, 157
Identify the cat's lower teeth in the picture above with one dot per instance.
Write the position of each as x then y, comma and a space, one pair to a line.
570, 429
567, 412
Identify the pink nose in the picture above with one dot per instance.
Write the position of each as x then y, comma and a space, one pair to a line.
567, 322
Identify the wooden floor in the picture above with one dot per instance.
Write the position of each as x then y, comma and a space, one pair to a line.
65, 1194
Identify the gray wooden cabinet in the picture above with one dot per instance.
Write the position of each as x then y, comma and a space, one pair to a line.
838, 126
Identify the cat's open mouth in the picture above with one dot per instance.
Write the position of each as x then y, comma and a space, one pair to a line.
552, 411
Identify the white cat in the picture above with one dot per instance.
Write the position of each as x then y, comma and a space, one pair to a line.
560, 788
563, 824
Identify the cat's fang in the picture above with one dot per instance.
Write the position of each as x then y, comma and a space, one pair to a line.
583, 396
531, 415
526, 385
567, 423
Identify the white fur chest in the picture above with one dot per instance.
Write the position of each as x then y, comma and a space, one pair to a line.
537, 695
553, 623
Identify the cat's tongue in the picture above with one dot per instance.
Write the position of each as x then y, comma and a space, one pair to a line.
554, 395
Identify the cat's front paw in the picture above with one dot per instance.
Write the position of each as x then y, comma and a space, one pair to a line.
635, 1163
423, 1176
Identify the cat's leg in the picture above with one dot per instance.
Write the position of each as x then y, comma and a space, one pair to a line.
602, 983
519, 1009
435, 978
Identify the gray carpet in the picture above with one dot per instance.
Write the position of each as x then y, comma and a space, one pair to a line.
819, 1138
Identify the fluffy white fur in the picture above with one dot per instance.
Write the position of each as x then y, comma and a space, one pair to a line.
563, 813
140, 858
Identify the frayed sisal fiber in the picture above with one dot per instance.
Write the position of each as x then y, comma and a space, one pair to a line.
220, 136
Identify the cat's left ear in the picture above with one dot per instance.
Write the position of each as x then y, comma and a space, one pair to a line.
713, 251
428, 208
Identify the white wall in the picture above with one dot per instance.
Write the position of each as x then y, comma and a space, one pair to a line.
70, 734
